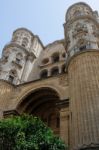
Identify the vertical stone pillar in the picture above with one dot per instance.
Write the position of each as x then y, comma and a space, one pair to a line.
83, 73
64, 125
63, 107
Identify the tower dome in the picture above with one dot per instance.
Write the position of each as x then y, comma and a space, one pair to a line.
23, 37
77, 10
18, 56
81, 29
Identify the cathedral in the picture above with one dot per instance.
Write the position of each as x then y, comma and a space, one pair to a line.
59, 82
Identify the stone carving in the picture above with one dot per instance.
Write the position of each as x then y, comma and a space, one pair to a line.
80, 29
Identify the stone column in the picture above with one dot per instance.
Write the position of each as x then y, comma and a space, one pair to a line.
83, 73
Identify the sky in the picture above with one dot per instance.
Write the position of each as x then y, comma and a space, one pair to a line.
44, 18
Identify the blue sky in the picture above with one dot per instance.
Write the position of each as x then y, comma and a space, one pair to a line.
44, 18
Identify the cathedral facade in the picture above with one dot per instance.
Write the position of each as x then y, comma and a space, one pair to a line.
59, 82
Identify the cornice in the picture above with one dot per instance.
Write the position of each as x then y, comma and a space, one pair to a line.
13, 44
79, 18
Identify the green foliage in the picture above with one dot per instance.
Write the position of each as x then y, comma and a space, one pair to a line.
27, 133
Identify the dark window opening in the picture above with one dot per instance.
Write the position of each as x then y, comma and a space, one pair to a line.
55, 58
64, 55
11, 78
44, 74
54, 71
82, 48
18, 60
45, 61
6, 57
23, 44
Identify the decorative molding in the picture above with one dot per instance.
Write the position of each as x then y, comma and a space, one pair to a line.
9, 113
62, 103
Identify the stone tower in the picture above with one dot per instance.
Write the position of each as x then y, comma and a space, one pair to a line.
19, 55
82, 46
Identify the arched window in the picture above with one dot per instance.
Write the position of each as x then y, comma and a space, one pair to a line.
45, 61
82, 44
25, 42
82, 47
19, 58
55, 57
11, 78
54, 71
44, 74
12, 75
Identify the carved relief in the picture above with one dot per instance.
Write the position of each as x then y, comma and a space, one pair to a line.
80, 29
78, 10
25, 42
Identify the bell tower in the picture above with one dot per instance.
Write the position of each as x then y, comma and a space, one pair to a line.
82, 47
19, 55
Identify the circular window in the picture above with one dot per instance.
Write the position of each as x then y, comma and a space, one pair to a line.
45, 61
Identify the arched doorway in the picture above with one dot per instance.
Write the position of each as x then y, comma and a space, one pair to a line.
42, 103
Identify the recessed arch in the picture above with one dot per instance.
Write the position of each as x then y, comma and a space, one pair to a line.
37, 90
42, 103
55, 57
